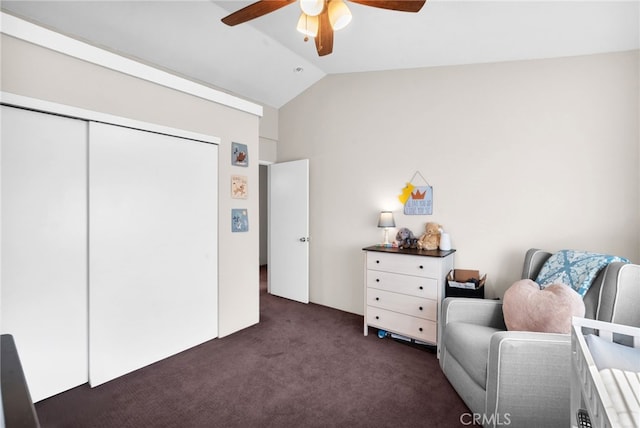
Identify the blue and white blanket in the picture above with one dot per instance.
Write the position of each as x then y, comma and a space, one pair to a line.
577, 269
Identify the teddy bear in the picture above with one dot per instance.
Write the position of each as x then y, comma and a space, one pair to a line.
406, 239
430, 239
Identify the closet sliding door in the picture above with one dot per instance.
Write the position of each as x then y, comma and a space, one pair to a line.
152, 248
43, 298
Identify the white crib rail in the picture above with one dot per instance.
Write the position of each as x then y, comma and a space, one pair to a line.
587, 388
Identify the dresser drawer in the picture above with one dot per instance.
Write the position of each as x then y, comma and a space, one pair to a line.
404, 264
405, 325
405, 284
409, 305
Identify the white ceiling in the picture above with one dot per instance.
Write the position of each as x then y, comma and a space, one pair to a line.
258, 60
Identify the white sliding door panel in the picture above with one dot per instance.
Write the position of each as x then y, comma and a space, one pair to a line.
153, 248
43, 297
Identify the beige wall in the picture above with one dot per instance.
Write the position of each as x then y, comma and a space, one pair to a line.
268, 135
268, 155
36, 72
524, 154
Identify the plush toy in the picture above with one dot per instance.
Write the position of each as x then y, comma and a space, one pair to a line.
406, 239
430, 239
526, 307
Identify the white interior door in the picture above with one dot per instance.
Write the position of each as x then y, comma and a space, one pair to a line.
153, 248
43, 296
289, 230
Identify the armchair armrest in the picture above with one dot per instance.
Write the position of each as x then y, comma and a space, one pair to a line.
474, 311
528, 378
620, 294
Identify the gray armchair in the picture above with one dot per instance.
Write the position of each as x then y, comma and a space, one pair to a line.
522, 379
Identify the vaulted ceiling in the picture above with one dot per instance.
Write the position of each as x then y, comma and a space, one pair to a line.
267, 61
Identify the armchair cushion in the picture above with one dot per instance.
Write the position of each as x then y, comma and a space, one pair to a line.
528, 308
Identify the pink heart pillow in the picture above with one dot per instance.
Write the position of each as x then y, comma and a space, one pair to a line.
526, 307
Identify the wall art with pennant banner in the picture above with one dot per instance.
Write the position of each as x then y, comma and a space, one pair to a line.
417, 198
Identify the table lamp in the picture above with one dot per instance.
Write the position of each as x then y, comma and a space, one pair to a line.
386, 221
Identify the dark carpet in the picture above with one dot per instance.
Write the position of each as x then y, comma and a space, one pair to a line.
301, 366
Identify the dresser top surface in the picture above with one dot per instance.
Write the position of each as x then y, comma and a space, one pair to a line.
411, 251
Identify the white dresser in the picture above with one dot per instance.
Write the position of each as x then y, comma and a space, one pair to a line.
404, 289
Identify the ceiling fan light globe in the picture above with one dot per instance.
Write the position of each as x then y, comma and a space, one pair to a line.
312, 7
308, 25
339, 14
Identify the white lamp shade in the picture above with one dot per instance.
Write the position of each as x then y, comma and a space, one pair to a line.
339, 14
386, 219
312, 7
308, 25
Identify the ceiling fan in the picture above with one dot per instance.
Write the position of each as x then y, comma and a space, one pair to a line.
319, 18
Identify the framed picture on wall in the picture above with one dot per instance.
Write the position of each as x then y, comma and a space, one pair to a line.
239, 154
239, 187
239, 220
420, 201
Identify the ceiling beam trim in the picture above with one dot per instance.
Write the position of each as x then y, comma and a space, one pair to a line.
29, 32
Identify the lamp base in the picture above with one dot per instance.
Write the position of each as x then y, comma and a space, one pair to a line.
386, 237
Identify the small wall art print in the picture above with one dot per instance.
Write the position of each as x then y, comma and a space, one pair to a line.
239, 154
417, 200
420, 201
239, 187
239, 220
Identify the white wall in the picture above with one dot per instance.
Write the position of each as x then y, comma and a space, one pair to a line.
37, 72
524, 154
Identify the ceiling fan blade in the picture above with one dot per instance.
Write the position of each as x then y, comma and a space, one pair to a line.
324, 39
399, 5
255, 10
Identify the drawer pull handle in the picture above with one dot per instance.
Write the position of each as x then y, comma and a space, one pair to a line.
421, 287
420, 329
377, 298
377, 279
420, 308
421, 267
377, 317
377, 261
